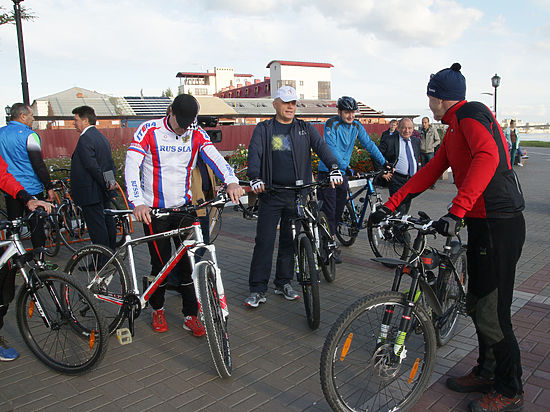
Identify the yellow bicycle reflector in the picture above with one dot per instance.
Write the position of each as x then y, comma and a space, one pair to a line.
31, 308
91, 341
414, 370
345, 349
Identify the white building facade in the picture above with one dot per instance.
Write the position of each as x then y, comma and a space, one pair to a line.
311, 80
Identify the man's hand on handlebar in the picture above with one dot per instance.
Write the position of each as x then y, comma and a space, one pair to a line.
34, 203
142, 213
388, 171
380, 214
234, 191
448, 225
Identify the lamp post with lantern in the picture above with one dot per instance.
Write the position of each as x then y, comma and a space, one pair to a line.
18, 25
495, 81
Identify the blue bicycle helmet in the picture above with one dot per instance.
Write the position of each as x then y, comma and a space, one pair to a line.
347, 103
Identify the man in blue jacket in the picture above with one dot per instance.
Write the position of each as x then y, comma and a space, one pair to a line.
341, 132
21, 149
280, 154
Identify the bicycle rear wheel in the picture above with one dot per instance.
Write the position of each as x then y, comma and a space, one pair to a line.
53, 237
214, 321
309, 279
71, 222
327, 261
346, 230
359, 369
448, 292
77, 337
114, 281
388, 241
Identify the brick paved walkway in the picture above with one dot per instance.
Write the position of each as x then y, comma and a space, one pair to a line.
276, 356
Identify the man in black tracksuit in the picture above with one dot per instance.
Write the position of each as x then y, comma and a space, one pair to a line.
491, 202
280, 154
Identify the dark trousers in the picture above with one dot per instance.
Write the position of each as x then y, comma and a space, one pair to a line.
161, 252
101, 227
396, 182
272, 209
334, 201
426, 157
16, 209
494, 248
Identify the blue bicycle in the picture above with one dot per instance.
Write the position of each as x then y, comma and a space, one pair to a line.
386, 240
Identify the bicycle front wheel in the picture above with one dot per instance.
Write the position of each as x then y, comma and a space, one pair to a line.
387, 241
76, 338
327, 261
346, 230
448, 292
113, 280
214, 321
359, 367
309, 279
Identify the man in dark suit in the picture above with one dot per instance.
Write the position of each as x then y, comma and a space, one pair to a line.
93, 177
403, 151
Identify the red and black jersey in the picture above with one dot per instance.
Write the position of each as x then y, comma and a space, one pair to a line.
476, 150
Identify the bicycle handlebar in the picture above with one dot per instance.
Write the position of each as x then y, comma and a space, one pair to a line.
422, 223
13, 224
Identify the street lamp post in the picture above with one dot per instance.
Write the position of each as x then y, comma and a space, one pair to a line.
495, 81
22, 64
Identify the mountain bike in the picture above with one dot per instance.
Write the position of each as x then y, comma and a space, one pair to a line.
107, 278
313, 247
385, 240
56, 316
380, 353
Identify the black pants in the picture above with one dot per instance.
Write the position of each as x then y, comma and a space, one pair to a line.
334, 201
160, 252
101, 227
16, 209
494, 248
272, 209
396, 182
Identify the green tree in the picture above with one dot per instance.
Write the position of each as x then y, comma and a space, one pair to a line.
167, 93
9, 17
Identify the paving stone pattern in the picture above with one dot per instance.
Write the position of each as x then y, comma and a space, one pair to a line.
276, 356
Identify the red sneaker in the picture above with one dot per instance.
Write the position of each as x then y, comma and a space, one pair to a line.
495, 402
159, 321
193, 324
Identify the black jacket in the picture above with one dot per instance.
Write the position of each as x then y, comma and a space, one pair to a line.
91, 158
389, 146
303, 138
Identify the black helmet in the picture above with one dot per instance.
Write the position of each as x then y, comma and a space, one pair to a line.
347, 103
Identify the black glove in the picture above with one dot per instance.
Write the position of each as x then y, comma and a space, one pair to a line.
380, 214
335, 176
448, 225
388, 168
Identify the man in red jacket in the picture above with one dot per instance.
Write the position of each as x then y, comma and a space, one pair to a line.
13, 188
490, 201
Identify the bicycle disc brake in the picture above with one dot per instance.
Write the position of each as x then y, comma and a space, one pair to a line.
385, 364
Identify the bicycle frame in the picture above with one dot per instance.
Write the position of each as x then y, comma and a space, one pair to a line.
187, 246
370, 190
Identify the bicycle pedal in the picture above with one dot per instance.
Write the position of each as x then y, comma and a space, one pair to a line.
124, 336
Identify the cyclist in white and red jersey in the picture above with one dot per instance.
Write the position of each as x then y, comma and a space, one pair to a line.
158, 169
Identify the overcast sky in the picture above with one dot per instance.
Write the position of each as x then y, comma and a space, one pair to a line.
382, 51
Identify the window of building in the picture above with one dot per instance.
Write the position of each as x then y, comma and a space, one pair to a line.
246, 92
301, 97
323, 90
201, 91
281, 83
301, 82
238, 93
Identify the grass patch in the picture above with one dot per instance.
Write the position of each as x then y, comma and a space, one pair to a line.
534, 143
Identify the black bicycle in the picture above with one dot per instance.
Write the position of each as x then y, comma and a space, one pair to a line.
380, 353
56, 315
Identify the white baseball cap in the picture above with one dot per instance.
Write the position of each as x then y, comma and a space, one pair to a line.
286, 94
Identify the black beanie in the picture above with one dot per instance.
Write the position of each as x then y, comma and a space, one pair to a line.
186, 108
448, 84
